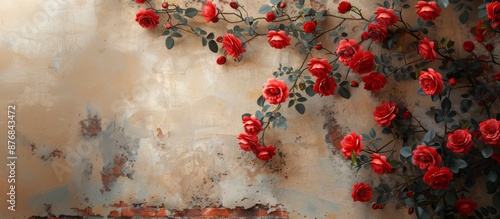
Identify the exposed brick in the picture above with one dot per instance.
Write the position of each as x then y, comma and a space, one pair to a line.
162, 212
250, 212
216, 212
127, 212
114, 213
121, 204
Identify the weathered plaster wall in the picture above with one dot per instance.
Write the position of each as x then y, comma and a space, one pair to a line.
106, 113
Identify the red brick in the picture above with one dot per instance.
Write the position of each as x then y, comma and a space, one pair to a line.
114, 214
162, 212
278, 213
121, 204
127, 212
216, 212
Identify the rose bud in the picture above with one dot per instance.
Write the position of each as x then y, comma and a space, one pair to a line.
407, 114
354, 84
380, 206
282, 4
215, 19
489, 47
409, 194
318, 46
168, 25
365, 36
468, 46
219, 39
234, 5
344, 7
221, 60
270, 16
164, 5
497, 76
453, 82
374, 207
411, 210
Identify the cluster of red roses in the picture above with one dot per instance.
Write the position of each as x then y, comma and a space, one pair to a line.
425, 157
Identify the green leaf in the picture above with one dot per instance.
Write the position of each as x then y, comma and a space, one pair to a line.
204, 41
457, 164
443, 3
422, 213
491, 176
264, 9
261, 101
451, 197
176, 34
169, 42
178, 9
300, 108
310, 91
465, 105
191, 12
431, 134
372, 133
212, 45
487, 152
496, 199
464, 17
344, 93
259, 115
211, 36
177, 16
406, 152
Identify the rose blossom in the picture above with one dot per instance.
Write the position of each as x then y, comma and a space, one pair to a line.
438, 178
361, 192
490, 132
266, 153
385, 113
460, 141
374, 81
325, 86
309, 26
426, 157
385, 17
431, 82
140, 1
232, 45
465, 206
493, 10
468, 46
270, 16
251, 125
344, 7
319, 67
426, 49
379, 164
346, 50
209, 11
377, 33
428, 10
248, 142
147, 18
278, 40
362, 62
275, 91
350, 143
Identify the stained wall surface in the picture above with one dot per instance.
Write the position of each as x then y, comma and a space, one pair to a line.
105, 113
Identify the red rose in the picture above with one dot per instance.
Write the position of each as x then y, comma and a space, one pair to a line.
221, 60
385, 17
319, 67
248, 142
252, 125
468, 46
270, 16
453, 82
496, 76
354, 84
465, 206
379, 164
140, 1
426, 157
346, 50
266, 153
431, 82
344, 7
232, 45
309, 26
350, 143
374, 81
385, 113
275, 91
490, 132
147, 18
460, 141
489, 47
438, 178
325, 86
480, 31
378, 33
426, 49
496, 156
362, 62
278, 40
233, 5
428, 10
361, 192
407, 114
209, 11
493, 10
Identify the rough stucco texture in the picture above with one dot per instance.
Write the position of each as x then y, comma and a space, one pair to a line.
105, 113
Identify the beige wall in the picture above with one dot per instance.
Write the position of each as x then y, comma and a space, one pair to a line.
63, 62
